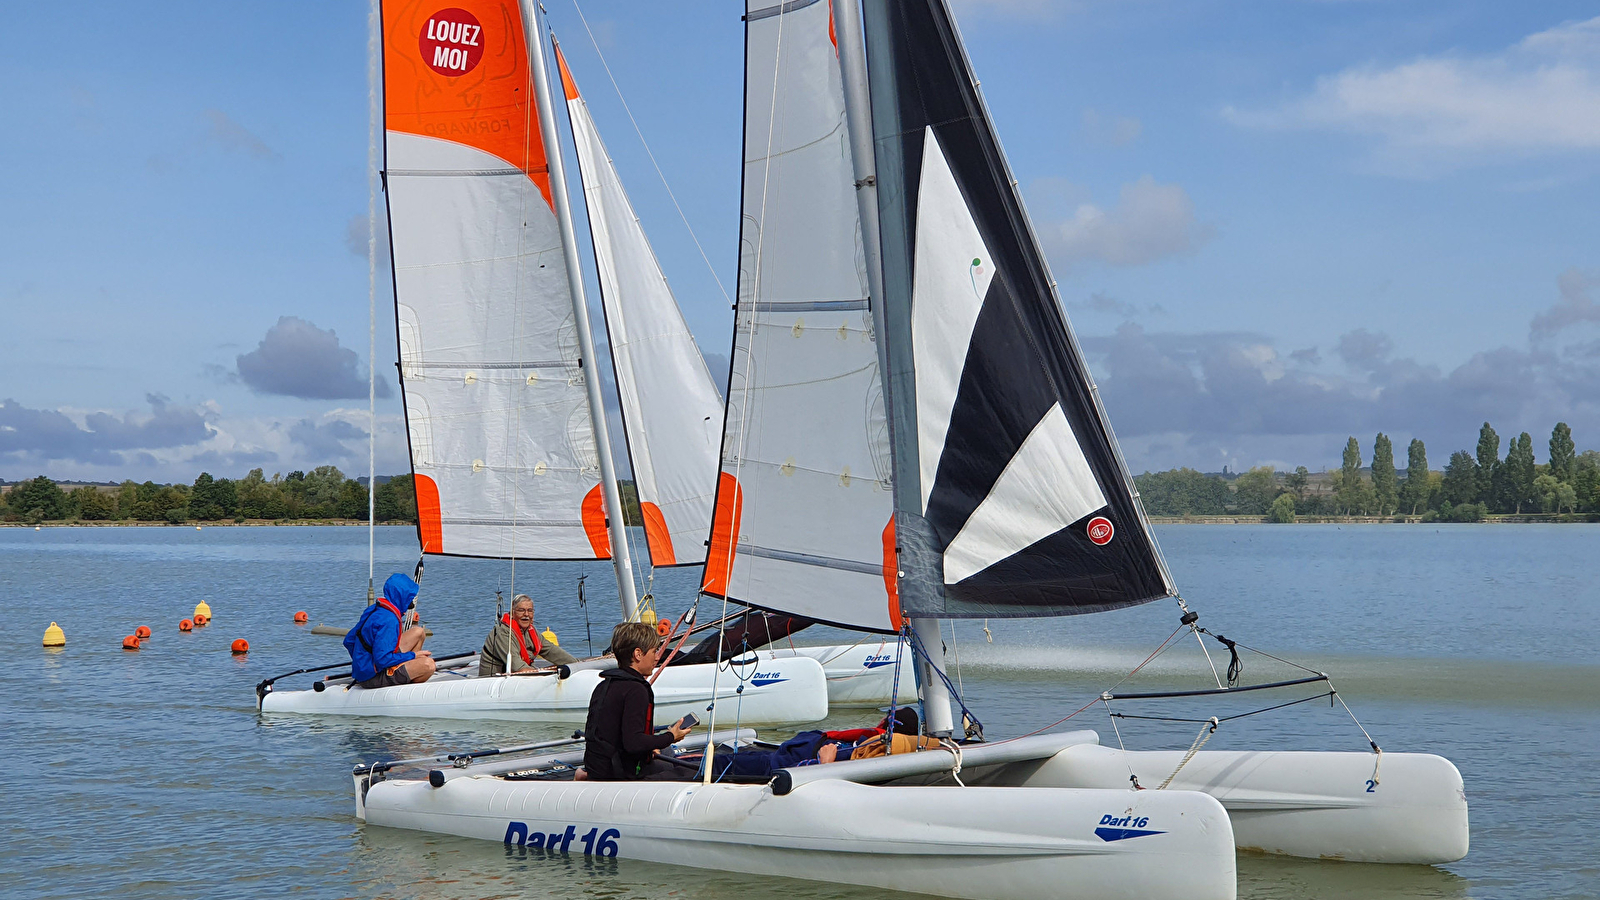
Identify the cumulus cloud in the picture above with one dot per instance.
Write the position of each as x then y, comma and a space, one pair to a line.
233, 136
298, 359
1183, 399
1538, 96
1150, 221
355, 239
1114, 131
1105, 304
325, 439
41, 435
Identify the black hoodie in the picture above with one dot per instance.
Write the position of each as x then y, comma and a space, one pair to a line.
620, 742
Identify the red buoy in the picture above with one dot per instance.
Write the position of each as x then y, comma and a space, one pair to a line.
130, 643
200, 621
241, 646
300, 618
142, 632
186, 625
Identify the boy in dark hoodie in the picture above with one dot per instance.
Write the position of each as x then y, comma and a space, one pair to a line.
620, 744
383, 652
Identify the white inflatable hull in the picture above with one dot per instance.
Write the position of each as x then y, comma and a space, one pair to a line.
775, 692
987, 843
859, 675
1411, 808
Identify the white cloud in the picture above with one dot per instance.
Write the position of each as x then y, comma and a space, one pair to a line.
1149, 222
1114, 131
233, 136
1538, 96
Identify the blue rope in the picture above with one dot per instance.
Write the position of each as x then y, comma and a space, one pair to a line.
894, 691
916, 647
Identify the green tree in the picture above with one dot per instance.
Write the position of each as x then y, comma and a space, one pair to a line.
1488, 461
1385, 496
1562, 452
127, 496
1555, 495
1254, 490
396, 500
1295, 483
1183, 492
1520, 473
213, 499
1282, 509
1414, 493
1586, 481
37, 500
352, 502
1353, 493
94, 506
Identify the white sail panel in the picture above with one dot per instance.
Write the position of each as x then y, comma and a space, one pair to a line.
1046, 487
805, 438
671, 411
953, 270
501, 437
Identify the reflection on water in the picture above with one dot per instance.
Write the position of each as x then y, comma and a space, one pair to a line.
150, 775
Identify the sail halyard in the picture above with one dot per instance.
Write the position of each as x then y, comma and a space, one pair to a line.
615, 523
671, 409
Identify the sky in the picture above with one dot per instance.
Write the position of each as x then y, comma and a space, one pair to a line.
1274, 224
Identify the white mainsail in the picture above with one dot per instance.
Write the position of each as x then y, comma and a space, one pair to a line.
502, 439
671, 411
805, 485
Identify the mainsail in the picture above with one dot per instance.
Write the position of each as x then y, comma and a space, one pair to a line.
501, 436
1011, 496
805, 497
671, 411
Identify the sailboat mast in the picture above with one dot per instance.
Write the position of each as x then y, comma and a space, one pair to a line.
858, 122
615, 522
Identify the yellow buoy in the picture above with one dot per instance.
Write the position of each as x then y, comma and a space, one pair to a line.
202, 609
54, 636
647, 616
550, 636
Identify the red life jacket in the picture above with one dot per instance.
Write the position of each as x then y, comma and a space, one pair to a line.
522, 644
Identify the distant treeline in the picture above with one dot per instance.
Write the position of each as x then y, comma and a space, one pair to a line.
321, 494
1471, 487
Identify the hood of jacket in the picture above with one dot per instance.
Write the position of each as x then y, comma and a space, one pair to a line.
400, 590
624, 673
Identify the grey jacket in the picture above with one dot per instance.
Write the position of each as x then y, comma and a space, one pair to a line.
501, 645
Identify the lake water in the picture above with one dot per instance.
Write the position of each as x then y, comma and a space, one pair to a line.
150, 775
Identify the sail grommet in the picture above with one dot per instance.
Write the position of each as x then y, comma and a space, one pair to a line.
477, 466
539, 468
471, 378
788, 467
799, 327
533, 378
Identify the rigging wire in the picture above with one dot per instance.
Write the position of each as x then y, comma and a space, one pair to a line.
646, 144
373, 115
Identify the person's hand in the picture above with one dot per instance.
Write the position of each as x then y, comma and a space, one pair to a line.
828, 753
678, 731
426, 653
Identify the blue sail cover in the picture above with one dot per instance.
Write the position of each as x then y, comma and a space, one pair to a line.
1011, 498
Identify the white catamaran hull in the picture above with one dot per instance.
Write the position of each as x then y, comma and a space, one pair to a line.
859, 675
1411, 808
775, 691
993, 843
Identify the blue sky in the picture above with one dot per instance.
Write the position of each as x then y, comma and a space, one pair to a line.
1274, 224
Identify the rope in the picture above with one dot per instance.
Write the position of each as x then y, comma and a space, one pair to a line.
967, 714
955, 751
1199, 741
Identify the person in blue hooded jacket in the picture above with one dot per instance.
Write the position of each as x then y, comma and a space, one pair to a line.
383, 652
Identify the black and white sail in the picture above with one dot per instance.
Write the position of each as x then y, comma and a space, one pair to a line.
1011, 498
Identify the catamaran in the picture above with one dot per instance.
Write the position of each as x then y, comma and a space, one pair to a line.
911, 434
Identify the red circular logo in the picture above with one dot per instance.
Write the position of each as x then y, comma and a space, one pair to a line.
452, 42
1100, 530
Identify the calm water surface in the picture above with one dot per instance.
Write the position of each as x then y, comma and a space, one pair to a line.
150, 775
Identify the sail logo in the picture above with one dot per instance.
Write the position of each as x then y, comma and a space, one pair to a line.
1114, 828
762, 679
1100, 530
452, 42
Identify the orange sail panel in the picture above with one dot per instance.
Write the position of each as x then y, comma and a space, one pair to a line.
430, 533
724, 533
494, 385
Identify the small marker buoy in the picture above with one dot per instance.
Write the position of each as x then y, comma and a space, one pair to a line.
550, 636
35, 528
186, 625
202, 609
54, 636
197, 528
200, 621
241, 646
300, 618
142, 632
130, 643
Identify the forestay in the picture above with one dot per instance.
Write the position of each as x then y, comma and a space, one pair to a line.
806, 486
1011, 496
501, 438
671, 412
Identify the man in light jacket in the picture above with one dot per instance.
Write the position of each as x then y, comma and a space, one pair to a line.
516, 638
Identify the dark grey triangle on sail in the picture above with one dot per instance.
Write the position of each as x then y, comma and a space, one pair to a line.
1011, 498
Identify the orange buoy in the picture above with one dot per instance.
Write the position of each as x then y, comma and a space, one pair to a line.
130, 643
300, 618
241, 646
142, 632
663, 627
186, 625
200, 621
